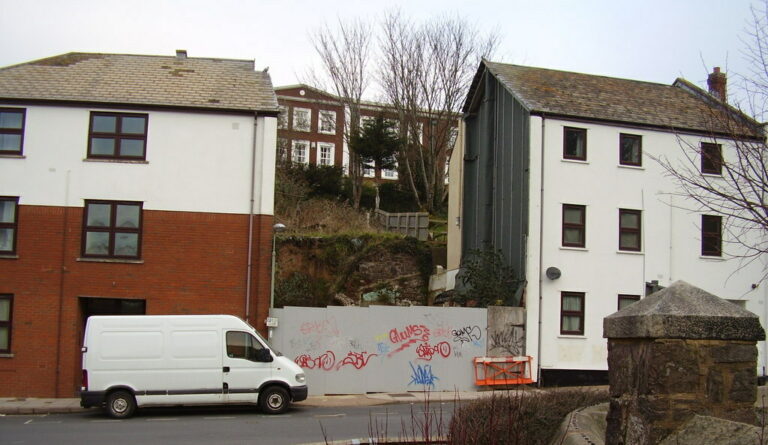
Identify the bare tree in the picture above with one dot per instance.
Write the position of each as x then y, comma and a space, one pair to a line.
425, 73
739, 194
345, 55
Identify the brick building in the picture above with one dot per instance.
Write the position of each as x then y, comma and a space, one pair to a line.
128, 185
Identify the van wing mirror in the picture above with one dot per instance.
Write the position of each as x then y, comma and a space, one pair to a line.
263, 355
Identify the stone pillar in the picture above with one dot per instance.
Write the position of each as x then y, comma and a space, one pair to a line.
676, 353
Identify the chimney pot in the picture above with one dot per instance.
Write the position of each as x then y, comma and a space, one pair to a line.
717, 83
181, 53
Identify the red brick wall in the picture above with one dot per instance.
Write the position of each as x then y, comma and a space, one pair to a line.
193, 263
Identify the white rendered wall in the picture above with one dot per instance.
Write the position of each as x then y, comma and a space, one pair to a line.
194, 162
671, 239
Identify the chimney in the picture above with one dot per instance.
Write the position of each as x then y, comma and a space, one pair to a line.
717, 84
182, 54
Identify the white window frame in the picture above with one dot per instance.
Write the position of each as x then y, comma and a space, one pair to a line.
331, 153
294, 152
282, 118
388, 173
326, 116
294, 116
369, 172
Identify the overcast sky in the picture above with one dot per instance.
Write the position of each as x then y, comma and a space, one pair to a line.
647, 40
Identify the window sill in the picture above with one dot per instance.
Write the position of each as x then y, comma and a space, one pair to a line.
631, 167
8, 257
6, 355
630, 252
117, 161
713, 175
575, 249
711, 258
328, 132
12, 156
573, 337
574, 161
301, 130
110, 260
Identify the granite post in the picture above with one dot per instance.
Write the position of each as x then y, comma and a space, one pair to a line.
677, 353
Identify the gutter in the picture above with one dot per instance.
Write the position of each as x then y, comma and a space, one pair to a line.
249, 267
541, 255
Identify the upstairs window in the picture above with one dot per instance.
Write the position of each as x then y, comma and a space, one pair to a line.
327, 122
325, 153
9, 222
302, 119
112, 229
117, 136
630, 150
575, 143
282, 118
11, 130
711, 235
711, 158
629, 230
626, 300
572, 313
574, 225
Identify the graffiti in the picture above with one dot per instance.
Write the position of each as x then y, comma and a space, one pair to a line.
383, 348
357, 359
327, 361
409, 335
422, 375
457, 353
441, 331
467, 334
425, 351
508, 341
322, 327
324, 361
354, 344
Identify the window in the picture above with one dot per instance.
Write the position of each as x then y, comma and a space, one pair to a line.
575, 143
112, 229
282, 118
327, 122
299, 152
711, 158
282, 149
117, 136
6, 317
369, 172
630, 149
302, 119
9, 223
629, 230
626, 300
711, 235
572, 313
242, 345
452, 138
574, 227
11, 130
325, 153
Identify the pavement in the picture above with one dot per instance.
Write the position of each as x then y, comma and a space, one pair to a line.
31, 405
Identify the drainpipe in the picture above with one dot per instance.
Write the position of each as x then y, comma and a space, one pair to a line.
62, 272
250, 222
541, 255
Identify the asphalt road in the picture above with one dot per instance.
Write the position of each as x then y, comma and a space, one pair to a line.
223, 425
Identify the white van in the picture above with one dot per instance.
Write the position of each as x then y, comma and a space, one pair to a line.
151, 360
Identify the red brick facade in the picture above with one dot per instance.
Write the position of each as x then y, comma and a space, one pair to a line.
191, 263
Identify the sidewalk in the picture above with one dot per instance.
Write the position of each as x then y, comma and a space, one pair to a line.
13, 406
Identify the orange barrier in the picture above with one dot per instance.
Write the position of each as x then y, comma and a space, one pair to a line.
503, 370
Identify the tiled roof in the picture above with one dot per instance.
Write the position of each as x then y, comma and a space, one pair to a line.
166, 81
682, 106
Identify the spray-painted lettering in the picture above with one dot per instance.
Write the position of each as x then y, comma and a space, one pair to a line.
467, 334
409, 335
324, 361
422, 375
357, 359
320, 327
425, 351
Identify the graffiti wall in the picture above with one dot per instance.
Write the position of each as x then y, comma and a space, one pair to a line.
348, 350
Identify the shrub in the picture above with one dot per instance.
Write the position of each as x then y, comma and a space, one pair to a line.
518, 417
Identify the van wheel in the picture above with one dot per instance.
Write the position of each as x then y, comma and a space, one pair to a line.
121, 404
274, 400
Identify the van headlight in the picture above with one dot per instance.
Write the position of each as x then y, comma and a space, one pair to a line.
301, 378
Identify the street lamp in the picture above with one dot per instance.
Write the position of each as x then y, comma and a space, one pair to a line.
277, 228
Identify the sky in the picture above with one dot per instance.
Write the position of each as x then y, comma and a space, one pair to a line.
648, 40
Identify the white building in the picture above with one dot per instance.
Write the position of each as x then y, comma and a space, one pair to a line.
559, 172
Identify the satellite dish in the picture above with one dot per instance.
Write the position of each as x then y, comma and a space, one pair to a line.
553, 273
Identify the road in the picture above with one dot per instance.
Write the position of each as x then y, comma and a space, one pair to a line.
220, 425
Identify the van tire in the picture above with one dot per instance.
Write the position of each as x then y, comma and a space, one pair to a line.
120, 404
274, 400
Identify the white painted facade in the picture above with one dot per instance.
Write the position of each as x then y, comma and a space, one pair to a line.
195, 162
671, 240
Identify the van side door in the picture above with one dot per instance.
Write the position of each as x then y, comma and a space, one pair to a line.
247, 364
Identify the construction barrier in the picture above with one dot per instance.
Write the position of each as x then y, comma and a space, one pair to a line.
502, 370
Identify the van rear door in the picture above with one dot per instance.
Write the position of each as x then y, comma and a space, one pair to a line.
247, 364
